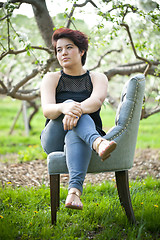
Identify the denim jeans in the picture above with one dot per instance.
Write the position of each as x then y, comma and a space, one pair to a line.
78, 142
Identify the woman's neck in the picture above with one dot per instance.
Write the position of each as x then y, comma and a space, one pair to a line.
74, 72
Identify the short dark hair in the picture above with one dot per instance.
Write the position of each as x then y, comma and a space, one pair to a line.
77, 37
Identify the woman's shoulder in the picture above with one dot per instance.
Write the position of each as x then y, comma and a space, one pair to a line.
97, 75
51, 77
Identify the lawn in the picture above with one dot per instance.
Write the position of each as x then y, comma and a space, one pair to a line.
25, 211
149, 130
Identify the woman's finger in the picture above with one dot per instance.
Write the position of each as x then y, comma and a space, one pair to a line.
76, 121
75, 114
71, 123
65, 123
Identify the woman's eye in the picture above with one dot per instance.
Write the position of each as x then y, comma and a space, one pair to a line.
59, 50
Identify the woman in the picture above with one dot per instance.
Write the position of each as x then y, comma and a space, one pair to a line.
71, 101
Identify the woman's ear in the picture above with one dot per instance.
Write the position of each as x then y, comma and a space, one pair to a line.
82, 53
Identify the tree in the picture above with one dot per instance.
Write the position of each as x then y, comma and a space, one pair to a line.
130, 32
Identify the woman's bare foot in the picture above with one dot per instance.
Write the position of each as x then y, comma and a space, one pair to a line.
104, 147
73, 199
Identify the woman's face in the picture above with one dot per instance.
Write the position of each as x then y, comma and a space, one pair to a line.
68, 54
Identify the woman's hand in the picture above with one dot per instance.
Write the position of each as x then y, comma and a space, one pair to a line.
69, 122
73, 109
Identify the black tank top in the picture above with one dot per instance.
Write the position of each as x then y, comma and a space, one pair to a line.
77, 88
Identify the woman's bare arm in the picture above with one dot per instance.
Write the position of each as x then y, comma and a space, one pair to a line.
50, 108
99, 93
93, 103
49, 83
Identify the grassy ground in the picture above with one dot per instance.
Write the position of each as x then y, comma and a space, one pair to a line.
149, 131
25, 213
27, 147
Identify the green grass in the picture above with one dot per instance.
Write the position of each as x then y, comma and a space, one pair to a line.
149, 129
25, 213
29, 148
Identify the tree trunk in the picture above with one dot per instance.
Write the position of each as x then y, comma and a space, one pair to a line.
45, 24
44, 21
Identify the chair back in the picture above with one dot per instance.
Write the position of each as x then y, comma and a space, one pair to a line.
126, 128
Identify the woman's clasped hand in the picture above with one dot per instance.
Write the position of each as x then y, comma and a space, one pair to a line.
72, 111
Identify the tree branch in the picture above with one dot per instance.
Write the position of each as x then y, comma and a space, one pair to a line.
3, 87
34, 72
13, 91
1, 19
27, 97
85, 3
134, 49
29, 94
129, 69
133, 8
78, 5
10, 51
32, 2
35, 110
151, 112
101, 58
114, 103
43, 19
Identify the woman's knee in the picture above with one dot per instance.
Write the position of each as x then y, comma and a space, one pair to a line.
68, 100
52, 136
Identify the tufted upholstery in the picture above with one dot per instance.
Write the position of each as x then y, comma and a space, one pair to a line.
124, 133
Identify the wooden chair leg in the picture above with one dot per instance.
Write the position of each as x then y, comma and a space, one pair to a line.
124, 194
54, 194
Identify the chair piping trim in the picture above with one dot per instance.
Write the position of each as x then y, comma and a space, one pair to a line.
131, 113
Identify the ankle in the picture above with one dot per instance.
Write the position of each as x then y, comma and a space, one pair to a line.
96, 143
75, 191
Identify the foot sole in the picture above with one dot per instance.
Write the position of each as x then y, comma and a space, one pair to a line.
107, 152
71, 206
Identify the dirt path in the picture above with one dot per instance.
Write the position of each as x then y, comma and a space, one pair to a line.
147, 162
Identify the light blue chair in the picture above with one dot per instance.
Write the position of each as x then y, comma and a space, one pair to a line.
124, 133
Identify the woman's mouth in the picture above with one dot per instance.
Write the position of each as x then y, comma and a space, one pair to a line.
65, 59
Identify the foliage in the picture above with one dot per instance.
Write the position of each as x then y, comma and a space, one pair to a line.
25, 213
124, 32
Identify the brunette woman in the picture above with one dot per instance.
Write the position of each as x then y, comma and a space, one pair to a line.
71, 102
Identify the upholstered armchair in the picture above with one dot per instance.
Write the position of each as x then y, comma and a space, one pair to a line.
121, 160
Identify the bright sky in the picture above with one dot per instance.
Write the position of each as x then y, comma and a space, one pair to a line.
53, 8
59, 7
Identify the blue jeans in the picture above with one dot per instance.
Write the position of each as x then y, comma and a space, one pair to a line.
78, 143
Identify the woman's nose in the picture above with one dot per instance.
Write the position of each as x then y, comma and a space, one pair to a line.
64, 51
